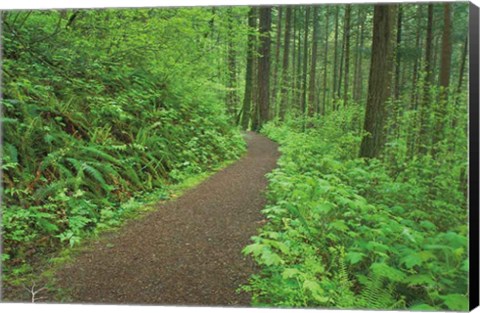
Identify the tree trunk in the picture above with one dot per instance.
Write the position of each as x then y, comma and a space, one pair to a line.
232, 97
298, 94
340, 70
325, 62
277, 56
414, 98
335, 58
427, 84
286, 54
411, 135
305, 61
264, 65
347, 53
251, 40
444, 79
397, 54
358, 56
379, 80
293, 77
462, 65
313, 65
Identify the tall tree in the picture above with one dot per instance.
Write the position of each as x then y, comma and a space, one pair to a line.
444, 79
422, 140
294, 56
298, 85
232, 97
347, 52
397, 54
379, 80
357, 84
251, 40
325, 61
277, 54
263, 75
286, 55
305, 60
414, 92
312, 100
463, 60
335, 55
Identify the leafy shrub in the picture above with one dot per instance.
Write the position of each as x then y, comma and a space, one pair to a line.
345, 232
91, 121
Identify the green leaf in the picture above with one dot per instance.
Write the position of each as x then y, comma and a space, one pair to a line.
456, 302
420, 279
315, 289
384, 270
411, 260
423, 307
354, 257
290, 272
255, 249
271, 258
47, 226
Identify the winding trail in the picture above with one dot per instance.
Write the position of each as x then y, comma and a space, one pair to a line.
188, 251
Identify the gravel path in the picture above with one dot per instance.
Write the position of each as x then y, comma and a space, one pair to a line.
188, 252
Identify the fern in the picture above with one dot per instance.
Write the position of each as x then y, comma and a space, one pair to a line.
346, 298
95, 153
97, 175
377, 294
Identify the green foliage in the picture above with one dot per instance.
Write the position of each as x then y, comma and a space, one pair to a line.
101, 112
345, 232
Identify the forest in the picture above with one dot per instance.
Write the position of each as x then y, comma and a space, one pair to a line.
108, 111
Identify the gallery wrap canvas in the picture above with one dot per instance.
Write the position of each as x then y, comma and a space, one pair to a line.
291, 155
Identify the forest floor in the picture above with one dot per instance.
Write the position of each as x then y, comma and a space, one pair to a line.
186, 252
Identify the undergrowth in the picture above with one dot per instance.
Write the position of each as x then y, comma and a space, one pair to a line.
345, 232
91, 134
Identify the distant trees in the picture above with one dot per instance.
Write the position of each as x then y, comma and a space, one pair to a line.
322, 55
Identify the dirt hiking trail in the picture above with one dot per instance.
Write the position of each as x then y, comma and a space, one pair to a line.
188, 251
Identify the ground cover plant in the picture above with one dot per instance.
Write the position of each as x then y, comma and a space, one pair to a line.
90, 124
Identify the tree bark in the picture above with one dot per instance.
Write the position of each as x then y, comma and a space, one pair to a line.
397, 54
422, 140
305, 61
347, 53
325, 61
379, 81
313, 65
444, 79
357, 75
462, 65
298, 80
286, 54
277, 55
335, 57
251, 39
264, 65
232, 97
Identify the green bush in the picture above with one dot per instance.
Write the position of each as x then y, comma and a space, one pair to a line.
344, 232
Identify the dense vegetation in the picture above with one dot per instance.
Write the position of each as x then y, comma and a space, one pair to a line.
368, 206
349, 233
97, 110
104, 110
